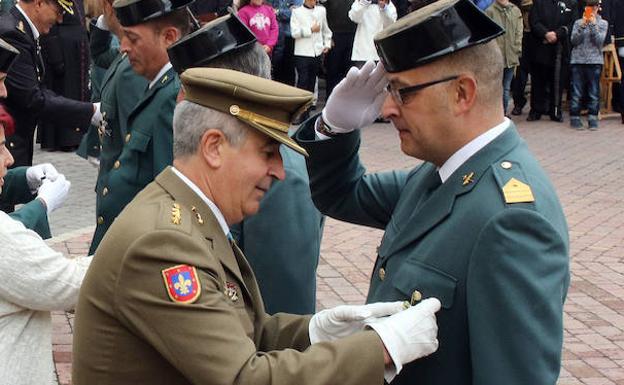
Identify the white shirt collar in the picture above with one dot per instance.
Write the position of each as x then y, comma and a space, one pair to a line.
159, 75
215, 210
463, 154
30, 23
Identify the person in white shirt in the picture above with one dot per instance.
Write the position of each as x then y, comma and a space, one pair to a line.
34, 279
370, 17
309, 28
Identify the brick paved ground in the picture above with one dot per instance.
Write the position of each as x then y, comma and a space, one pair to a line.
586, 167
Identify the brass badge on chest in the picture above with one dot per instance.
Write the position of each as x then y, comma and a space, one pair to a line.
176, 215
231, 291
517, 192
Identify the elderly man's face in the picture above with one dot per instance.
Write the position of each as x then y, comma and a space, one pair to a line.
247, 174
422, 118
6, 159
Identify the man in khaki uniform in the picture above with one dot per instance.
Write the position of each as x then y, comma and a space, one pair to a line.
170, 300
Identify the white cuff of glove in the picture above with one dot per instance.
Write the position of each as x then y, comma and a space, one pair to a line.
101, 23
385, 333
621, 51
96, 119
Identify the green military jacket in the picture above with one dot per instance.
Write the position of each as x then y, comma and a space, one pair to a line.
137, 324
135, 153
32, 213
286, 271
499, 268
119, 91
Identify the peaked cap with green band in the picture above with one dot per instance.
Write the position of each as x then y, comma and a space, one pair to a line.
263, 104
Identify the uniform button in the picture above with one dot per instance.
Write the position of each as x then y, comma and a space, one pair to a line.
11, 144
104, 191
506, 165
382, 273
128, 136
77, 129
416, 297
100, 220
117, 164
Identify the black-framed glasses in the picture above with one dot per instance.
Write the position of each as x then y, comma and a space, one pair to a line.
400, 94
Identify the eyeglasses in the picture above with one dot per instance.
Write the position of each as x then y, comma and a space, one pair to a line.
400, 94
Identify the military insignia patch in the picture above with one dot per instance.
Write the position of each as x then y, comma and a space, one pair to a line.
20, 27
230, 291
517, 192
182, 283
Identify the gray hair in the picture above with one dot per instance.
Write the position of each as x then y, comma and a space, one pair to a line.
485, 61
191, 121
251, 59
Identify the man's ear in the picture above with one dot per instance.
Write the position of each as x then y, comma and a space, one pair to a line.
170, 35
465, 94
212, 147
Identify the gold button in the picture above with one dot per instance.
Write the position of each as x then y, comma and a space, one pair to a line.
104, 191
382, 273
506, 165
116, 164
416, 297
128, 136
100, 220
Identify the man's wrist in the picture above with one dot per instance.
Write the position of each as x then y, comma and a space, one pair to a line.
324, 129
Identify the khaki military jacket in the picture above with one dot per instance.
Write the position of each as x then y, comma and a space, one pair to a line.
132, 327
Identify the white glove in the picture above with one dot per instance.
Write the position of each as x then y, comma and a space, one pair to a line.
410, 334
357, 99
344, 320
35, 175
96, 119
621, 51
54, 193
101, 23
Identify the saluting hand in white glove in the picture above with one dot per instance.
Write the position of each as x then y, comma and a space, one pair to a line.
356, 101
35, 175
54, 193
342, 321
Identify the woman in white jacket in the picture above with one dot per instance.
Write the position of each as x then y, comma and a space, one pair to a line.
370, 17
309, 28
34, 279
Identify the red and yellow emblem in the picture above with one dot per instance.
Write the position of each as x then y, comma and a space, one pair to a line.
182, 283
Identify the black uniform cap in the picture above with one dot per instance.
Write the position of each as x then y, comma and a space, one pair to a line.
433, 31
222, 35
133, 12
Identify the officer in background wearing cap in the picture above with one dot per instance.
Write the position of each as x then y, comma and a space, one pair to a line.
170, 298
39, 189
149, 28
478, 225
29, 101
118, 93
285, 270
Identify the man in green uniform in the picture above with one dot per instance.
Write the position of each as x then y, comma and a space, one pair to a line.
478, 225
120, 90
169, 299
146, 145
286, 271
